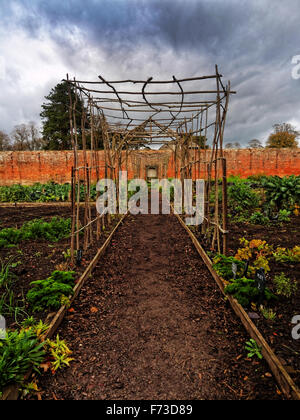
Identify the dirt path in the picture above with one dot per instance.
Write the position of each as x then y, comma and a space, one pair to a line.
151, 324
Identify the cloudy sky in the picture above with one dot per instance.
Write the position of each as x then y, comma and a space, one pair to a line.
253, 42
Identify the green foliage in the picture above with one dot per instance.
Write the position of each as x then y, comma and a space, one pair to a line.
259, 218
9, 304
19, 352
56, 119
33, 193
245, 291
223, 266
59, 352
242, 199
268, 313
48, 293
285, 286
255, 251
55, 230
6, 276
28, 322
253, 349
284, 216
284, 255
42, 193
284, 136
282, 193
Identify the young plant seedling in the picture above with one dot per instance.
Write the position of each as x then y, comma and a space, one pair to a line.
253, 349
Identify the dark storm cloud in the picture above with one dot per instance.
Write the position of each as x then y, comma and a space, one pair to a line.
252, 41
233, 28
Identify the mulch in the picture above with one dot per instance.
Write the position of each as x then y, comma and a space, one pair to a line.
277, 332
151, 323
37, 259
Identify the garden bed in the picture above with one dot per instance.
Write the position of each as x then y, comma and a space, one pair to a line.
155, 326
277, 332
37, 259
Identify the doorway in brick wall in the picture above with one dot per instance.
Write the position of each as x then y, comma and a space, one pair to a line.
151, 172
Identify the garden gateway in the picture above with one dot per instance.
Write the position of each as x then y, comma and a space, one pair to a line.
188, 197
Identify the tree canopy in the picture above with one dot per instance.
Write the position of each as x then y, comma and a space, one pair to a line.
26, 137
255, 144
56, 119
4, 142
284, 136
235, 145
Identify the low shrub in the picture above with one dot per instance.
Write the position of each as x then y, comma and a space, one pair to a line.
246, 291
242, 199
50, 292
19, 352
284, 216
223, 266
55, 230
282, 193
285, 286
284, 255
258, 218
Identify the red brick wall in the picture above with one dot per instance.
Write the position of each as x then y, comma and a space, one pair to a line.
29, 167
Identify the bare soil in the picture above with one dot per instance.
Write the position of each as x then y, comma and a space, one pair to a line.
37, 259
152, 324
278, 332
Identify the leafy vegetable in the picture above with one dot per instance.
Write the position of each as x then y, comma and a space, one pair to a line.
48, 293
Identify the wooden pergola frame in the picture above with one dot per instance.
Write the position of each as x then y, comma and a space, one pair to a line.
146, 122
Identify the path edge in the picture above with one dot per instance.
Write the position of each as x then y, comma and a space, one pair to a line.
285, 382
11, 392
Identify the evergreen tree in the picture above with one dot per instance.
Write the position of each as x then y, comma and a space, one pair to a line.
56, 119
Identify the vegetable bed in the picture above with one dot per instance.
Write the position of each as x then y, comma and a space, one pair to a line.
262, 266
277, 331
36, 278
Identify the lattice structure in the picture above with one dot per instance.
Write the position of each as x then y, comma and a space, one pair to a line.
188, 115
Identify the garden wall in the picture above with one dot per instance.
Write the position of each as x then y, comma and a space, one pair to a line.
29, 167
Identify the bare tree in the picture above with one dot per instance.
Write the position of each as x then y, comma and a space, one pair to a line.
286, 128
26, 137
236, 145
36, 141
255, 144
229, 145
4, 142
20, 137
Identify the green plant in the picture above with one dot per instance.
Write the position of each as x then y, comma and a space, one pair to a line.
246, 291
282, 192
255, 251
6, 276
37, 192
242, 199
284, 216
55, 230
285, 286
59, 352
19, 352
65, 301
67, 254
259, 218
9, 305
268, 313
28, 322
223, 266
48, 293
253, 349
284, 255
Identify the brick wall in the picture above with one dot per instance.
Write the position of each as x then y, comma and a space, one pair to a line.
29, 167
